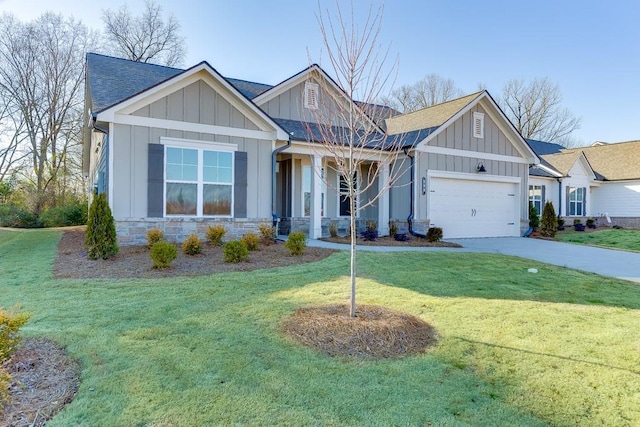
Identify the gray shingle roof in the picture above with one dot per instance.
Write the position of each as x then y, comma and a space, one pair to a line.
249, 89
542, 148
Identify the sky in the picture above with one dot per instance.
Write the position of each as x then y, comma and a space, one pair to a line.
590, 49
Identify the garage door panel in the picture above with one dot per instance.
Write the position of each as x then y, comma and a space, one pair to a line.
468, 208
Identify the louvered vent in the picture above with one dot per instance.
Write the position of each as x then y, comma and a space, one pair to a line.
311, 96
478, 125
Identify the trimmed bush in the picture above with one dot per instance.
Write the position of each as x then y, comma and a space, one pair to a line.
296, 243
251, 240
235, 251
534, 218
215, 233
333, 229
267, 233
591, 223
401, 237
371, 231
163, 253
393, 228
549, 222
191, 245
577, 221
560, 223
154, 236
434, 234
100, 240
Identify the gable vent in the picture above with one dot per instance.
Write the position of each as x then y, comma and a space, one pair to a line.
311, 96
478, 125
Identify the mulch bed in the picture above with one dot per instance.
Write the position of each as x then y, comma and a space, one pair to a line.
390, 241
43, 379
376, 332
134, 261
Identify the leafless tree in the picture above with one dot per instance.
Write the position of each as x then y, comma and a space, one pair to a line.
430, 90
41, 81
536, 110
345, 131
148, 37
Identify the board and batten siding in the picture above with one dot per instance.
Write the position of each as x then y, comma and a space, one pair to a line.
616, 199
578, 177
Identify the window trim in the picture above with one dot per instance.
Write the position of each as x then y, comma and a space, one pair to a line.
340, 194
575, 203
322, 193
532, 197
478, 125
200, 146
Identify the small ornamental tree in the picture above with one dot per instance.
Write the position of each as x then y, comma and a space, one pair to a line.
534, 218
549, 221
100, 240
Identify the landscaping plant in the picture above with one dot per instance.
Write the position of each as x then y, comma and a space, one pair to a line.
100, 240
153, 236
549, 223
393, 228
10, 324
371, 232
267, 233
333, 229
235, 251
434, 234
215, 233
534, 218
191, 245
296, 243
251, 240
163, 253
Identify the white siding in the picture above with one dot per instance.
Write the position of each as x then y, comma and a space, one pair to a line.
618, 199
550, 191
579, 176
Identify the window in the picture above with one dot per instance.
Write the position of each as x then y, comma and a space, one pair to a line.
535, 197
306, 189
576, 201
311, 95
198, 182
478, 125
345, 200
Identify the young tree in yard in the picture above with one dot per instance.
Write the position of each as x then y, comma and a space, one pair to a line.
549, 223
535, 110
100, 239
148, 37
343, 130
430, 90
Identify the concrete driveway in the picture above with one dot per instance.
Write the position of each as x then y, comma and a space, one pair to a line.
607, 262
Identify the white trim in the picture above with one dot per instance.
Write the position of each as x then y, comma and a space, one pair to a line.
311, 92
192, 127
192, 143
472, 154
548, 170
478, 125
312, 149
110, 153
473, 177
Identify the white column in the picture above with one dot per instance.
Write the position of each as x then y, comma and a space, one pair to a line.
315, 217
383, 199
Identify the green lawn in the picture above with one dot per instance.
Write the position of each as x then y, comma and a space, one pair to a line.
558, 347
628, 240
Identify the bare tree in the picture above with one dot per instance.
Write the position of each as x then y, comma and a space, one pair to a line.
148, 37
430, 90
342, 129
41, 81
536, 110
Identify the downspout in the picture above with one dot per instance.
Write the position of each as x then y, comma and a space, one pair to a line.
410, 217
559, 196
274, 215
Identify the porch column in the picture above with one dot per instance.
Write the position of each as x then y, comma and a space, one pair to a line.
383, 200
315, 216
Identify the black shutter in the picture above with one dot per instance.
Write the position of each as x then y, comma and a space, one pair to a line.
542, 198
568, 206
240, 185
584, 201
155, 181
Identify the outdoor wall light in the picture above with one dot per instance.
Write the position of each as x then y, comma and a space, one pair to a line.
424, 185
480, 168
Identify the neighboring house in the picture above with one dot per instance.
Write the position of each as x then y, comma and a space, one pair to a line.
601, 181
181, 149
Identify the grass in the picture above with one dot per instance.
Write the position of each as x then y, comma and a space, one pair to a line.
628, 240
559, 347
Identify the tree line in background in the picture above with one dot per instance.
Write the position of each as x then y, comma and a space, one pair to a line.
42, 100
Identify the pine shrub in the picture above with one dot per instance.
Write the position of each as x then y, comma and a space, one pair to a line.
393, 228
191, 245
534, 218
215, 233
100, 240
267, 233
10, 324
251, 240
154, 236
235, 251
163, 253
296, 243
434, 234
549, 222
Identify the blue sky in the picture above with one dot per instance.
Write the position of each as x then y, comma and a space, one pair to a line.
591, 49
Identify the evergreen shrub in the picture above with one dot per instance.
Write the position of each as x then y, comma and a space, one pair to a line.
100, 240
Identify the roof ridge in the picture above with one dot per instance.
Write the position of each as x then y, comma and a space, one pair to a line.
443, 103
132, 61
248, 81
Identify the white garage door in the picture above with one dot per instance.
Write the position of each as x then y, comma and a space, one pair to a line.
470, 208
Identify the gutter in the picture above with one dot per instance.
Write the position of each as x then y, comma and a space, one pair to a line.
410, 217
274, 154
559, 196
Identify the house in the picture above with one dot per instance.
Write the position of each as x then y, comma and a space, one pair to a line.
181, 149
601, 181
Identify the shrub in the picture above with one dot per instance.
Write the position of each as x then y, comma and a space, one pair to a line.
267, 233
591, 223
401, 237
371, 231
251, 240
72, 213
163, 253
10, 324
235, 251
191, 245
560, 223
393, 229
154, 236
434, 234
100, 240
548, 223
18, 217
215, 233
534, 218
296, 243
333, 229
577, 221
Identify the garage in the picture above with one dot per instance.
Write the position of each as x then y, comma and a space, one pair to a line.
485, 207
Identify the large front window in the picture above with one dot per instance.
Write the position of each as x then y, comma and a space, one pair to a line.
306, 189
198, 182
535, 197
576, 201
